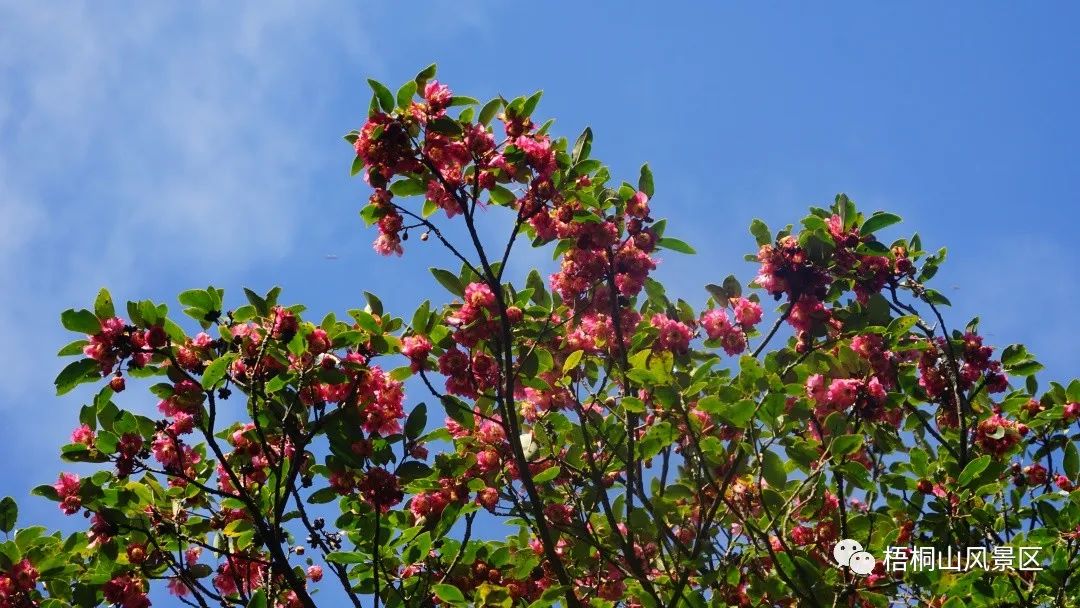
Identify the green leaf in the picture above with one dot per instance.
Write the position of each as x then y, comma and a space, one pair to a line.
878, 221
82, 321
416, 422
489, 110
645, 180
675, 245
501, 195
413, 470
448, 593
462, 100
845, 444
449, 280
9, 512
216, 370
75, 374
196, 298
572, 360
736, 414
103, 305
258, 599
458, 411
973, 469
761, 233
322, 496
75, 348
386, 98
357, 166
405, 94
772, 469
1071, 460
531, 103
583, 146
445, 125
346, 557
408, 187
258, 302
547, 474
425, 75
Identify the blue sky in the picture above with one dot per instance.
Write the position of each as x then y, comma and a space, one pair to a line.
153, 147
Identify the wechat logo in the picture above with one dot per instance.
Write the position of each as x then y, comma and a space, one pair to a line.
850, 553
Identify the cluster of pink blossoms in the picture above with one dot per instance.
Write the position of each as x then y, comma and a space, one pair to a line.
674, 335
67, 488
16, 583
788, 270
126, 591
997, 435
867, 393
240, 572
732, 336
117, 342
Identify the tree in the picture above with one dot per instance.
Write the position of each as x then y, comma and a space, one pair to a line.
638, 452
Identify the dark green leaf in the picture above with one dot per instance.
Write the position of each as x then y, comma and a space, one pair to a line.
258, 599
445, 125
1071, 460
846, 444
489, 110
386, 98
425, 75
448, 593
973, 469
772, 469
77, 372
501, 195
675, 245
449, 280
760, 232
9, 512
405, 94
530, 104
408, 187
82, 321
582, 146
103, 305
416, 422
645, 180
547, 474
216, 371
878, 221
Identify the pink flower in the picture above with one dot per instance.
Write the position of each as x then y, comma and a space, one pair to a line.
318, 341
83, 435
67, 487
674, 336
178, 588
747, 312
815, 388
380, 488
1072, 411
315, 573
437, 95
876, 390
638, 205
843, 392
416, 348
716, 323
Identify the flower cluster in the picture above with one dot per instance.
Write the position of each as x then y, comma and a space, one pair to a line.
126, 591
16, 583
732, 336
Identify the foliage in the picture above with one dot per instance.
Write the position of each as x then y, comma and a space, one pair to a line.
636, 451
